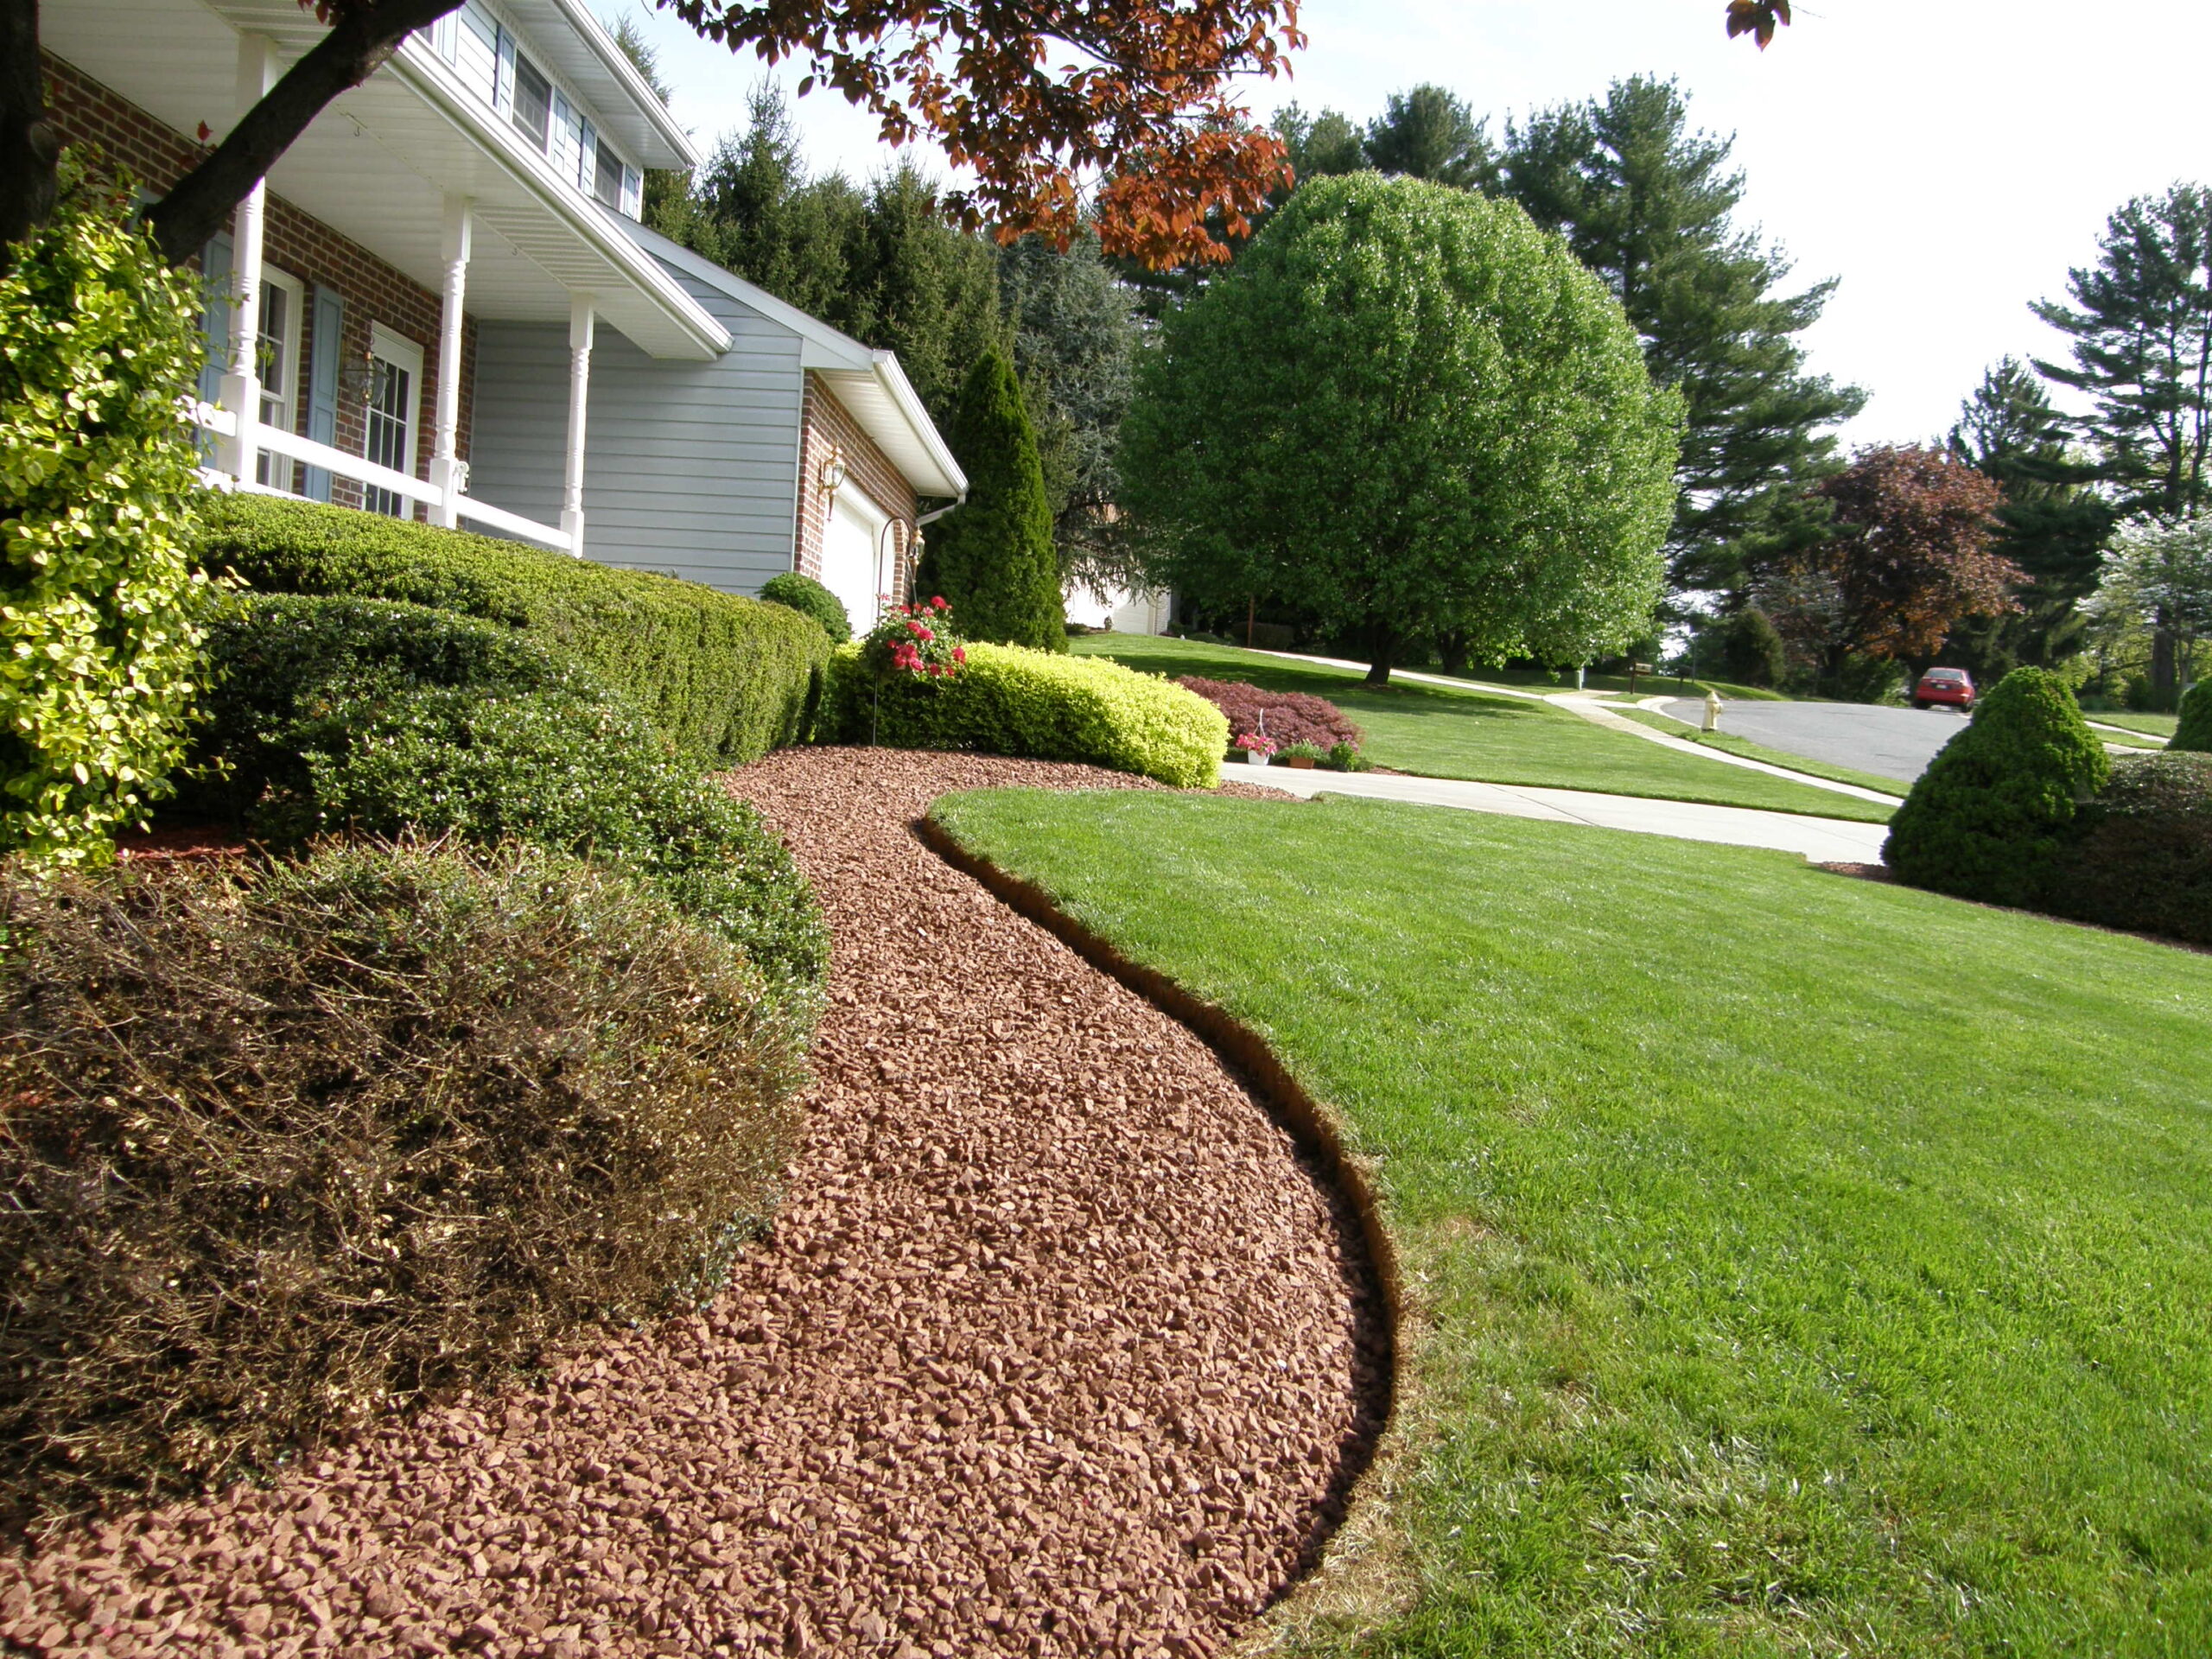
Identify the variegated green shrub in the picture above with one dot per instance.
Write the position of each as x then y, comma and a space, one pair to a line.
99, 639
1006, 700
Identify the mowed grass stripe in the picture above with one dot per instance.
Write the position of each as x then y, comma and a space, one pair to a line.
1815, 1267
1444, 732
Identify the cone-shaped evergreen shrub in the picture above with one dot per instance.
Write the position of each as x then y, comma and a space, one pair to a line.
2195, 731
1995, 811
994, 558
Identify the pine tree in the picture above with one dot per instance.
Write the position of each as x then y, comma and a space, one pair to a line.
1320, 146
2052, 524
1649, 204
1428, 134
992, 560
1075, 336
2141, 329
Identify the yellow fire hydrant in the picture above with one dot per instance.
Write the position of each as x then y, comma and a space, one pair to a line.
1711, 709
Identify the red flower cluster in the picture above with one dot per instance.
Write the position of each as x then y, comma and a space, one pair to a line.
917, 639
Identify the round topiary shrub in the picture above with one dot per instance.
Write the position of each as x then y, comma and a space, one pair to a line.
2143, 859
1995, 811
810, 598
2195, 730
288, 1144
330, 715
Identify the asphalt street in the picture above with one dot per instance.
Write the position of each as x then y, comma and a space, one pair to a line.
1888, 742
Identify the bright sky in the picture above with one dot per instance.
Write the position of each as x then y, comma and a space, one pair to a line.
1947, 161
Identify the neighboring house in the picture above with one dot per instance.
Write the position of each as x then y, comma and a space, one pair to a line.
1119, 610
460, 318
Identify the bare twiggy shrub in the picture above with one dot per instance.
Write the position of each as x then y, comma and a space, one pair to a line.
282, 1146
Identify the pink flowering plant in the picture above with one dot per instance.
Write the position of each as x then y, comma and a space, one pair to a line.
916, 641
1256, 743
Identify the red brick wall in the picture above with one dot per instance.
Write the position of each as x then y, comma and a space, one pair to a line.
826, 426
156, 155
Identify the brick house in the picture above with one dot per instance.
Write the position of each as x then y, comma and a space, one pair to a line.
459, 317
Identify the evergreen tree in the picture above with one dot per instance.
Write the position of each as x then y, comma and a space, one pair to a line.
2141, 330
1649, 204
1428, 134
1075, 335
1320, 146
992, 560
2052, 524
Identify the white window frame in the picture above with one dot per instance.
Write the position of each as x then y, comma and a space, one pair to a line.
285, 367
402, 354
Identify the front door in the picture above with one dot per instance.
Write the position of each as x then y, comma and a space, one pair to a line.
395, 411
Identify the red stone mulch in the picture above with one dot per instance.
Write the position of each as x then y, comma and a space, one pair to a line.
1058, 1347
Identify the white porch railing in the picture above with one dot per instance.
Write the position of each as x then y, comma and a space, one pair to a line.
293, 447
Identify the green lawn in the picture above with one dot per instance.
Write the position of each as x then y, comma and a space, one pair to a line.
1443, 732
2149, 725
1728, 743
1812, 1267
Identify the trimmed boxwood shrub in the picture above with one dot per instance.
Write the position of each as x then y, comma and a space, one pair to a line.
287, 1145
2194, 730
1291, 717
725, 679
810, 598
332, 713
1007, 700
2142, 858
1995, 809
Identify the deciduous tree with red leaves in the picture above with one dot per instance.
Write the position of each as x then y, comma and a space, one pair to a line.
1909, 556
1036, 97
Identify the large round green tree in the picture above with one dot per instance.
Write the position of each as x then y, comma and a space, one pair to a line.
1408, 411
992, 560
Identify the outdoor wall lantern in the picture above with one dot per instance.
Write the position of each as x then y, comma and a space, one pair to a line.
832, 471
357, 379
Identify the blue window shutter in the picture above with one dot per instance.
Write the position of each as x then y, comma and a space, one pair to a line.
215, 315
322, 382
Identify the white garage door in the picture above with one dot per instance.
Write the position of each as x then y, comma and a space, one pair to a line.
849, 546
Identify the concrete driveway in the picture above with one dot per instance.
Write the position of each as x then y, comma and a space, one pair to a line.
1888, 742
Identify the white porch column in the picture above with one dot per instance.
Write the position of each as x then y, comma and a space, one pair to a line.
448, 472
581, 316
241, 385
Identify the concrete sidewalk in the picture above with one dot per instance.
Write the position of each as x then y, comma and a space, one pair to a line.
1826, 841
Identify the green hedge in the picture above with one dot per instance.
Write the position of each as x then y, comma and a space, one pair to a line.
1994, 813
2144, 857
1011, 701
2194, 730
335, 714
725, 678
810, 598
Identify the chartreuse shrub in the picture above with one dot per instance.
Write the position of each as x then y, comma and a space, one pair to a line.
334, 713
2193, 731
810, 598
290, 1143
2142, 858
99, 597
1995, 811
725, 679
1005, 699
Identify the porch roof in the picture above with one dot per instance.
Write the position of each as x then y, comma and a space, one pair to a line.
376, 165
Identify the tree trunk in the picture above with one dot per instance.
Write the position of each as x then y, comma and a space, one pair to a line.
360, 39
1383, 656
2164, 670
1452, 650
29, 146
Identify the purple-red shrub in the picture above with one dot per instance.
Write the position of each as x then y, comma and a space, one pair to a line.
1292, 716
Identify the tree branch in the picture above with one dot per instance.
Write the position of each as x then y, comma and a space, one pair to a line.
30, 145
362, 35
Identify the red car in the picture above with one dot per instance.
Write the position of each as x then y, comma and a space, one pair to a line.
1952, 687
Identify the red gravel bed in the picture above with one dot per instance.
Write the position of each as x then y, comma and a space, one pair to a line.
1059, 1347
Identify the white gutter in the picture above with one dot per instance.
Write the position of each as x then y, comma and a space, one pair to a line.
609, 52
892, 380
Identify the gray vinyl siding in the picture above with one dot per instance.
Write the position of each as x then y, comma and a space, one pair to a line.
690, 468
